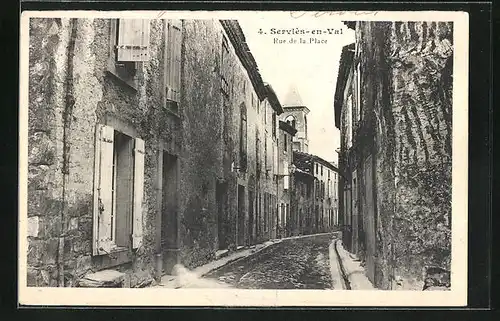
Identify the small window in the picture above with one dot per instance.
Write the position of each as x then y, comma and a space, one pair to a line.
290, 120
321, 170
285, 139
348, 115
257, 152
358, 93
265, 113
274, 124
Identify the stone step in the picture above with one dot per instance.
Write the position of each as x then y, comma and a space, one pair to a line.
103, 279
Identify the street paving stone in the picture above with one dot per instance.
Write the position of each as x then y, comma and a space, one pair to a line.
301, 263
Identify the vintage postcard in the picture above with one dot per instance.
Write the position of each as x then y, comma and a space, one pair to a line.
184, 158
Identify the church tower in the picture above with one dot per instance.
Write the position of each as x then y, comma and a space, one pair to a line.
295, 114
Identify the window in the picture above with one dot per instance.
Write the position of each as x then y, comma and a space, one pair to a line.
290, 120
358, 92
321, 170
286, 181
243, 137
265, 113
224, 72
348, 115
265, 153
129, 45
118, 191
257, 152
285, 139
305, 125
173, 63
275, 158
274, 124
317, 168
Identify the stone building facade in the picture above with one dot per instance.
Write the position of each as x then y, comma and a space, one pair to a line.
122, 184
393, 107
285, 184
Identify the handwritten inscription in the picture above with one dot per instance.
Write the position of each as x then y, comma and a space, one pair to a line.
317, 14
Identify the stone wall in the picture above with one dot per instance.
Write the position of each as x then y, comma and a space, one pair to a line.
202, 126
406, 87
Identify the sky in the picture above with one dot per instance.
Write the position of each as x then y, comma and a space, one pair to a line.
311, 67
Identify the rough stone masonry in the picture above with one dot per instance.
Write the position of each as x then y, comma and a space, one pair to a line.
407, 82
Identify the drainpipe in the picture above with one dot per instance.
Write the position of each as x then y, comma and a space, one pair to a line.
67, 119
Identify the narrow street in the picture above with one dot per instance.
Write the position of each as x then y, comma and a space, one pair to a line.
298, 263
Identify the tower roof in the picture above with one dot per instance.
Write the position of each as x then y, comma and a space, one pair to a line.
292, 98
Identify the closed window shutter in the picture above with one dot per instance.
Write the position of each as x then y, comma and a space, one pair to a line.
174, 60
104, 193
133, 40
138, 192
225, 66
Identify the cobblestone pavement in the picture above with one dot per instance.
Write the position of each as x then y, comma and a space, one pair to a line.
301, 263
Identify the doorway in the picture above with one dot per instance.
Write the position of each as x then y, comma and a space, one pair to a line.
241, 216
222, 224
251, 213
169, 212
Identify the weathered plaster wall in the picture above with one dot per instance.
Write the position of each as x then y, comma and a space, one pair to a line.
49, 40
72, 90
90, 96
212, 118
202, 127
411, 99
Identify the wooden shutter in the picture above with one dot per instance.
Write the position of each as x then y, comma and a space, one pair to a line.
173, 60
103, 195
224, 72
133, 40
139, 152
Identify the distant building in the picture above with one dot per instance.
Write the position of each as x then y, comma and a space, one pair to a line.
316, 199
295, 114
